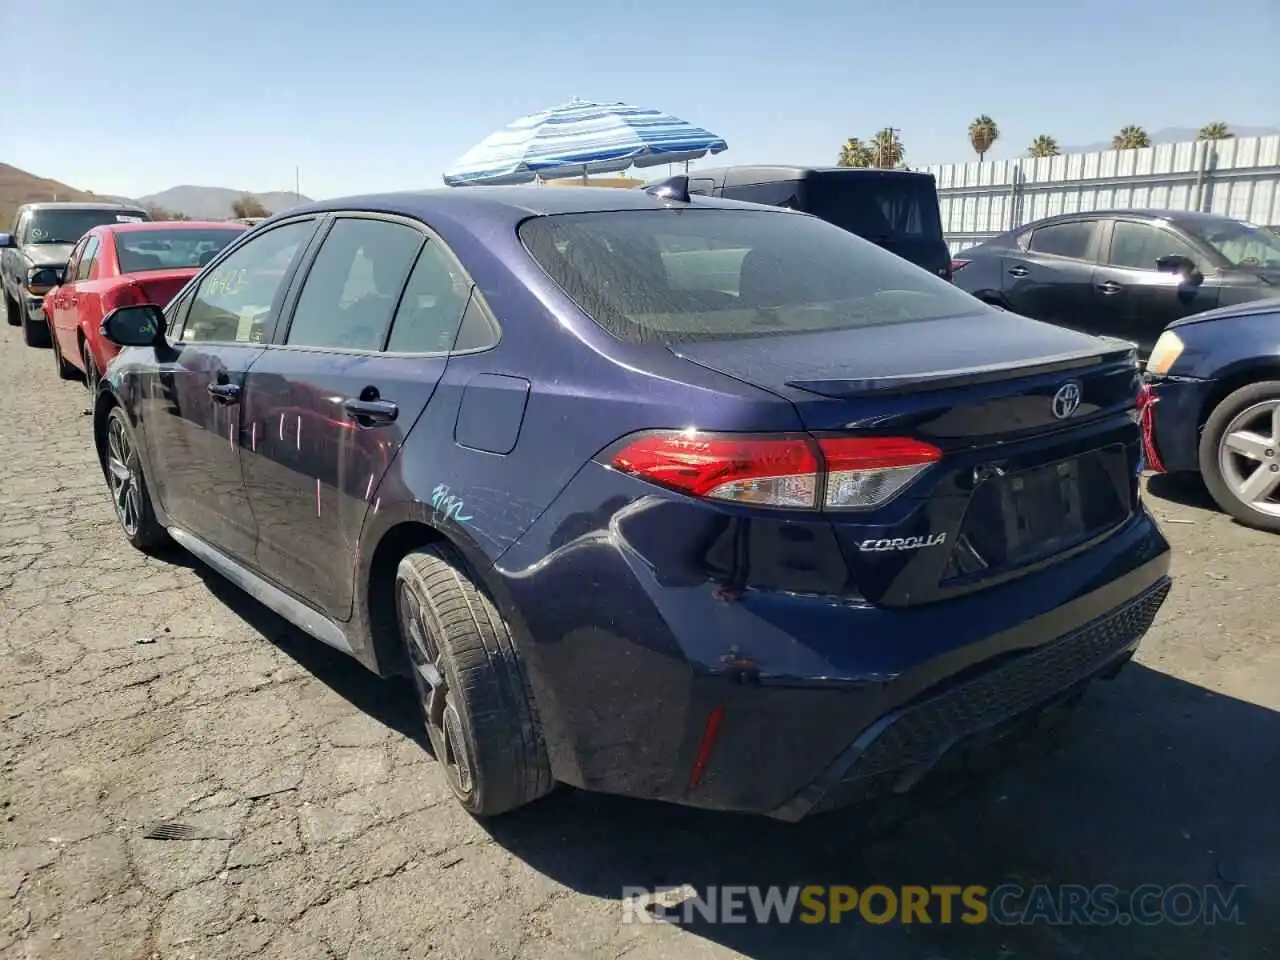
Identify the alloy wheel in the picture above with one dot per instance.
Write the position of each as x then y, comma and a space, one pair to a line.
1249, 456
122, 477
443, 721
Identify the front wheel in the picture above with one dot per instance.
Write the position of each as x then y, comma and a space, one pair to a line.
1240, 455
476, 704
66, 371
12, 312
129, 495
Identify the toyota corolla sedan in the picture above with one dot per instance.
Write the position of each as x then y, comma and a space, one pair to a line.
665, 496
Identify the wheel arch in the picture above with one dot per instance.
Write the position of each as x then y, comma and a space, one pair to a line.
1235, 377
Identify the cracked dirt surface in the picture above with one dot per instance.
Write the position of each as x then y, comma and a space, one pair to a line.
137, 690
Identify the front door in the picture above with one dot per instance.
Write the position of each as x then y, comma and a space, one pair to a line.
1052, 279
61, 305
329, 406
1136, 301
194, 434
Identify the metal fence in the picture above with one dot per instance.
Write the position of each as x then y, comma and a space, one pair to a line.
1239, 178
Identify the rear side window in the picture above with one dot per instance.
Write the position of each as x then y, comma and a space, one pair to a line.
677, 275
88, 256
354, 284
1064, 239
877, 206
431, 308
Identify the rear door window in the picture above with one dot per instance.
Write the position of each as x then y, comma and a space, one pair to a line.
88, 256
431, 309
666, 276
1072, 240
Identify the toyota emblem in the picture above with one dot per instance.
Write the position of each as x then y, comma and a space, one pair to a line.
1066, 400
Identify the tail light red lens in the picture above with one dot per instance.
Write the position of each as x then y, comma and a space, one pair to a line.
795, 471
958, 265
124, 295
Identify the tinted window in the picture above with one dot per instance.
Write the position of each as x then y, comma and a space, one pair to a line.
88, 257
431, 308
699, 274
142, 250
1064, 239
877, 206
780, 193
702, 185
1138, 245
354, 284
68, 226
1243, 244
236, 299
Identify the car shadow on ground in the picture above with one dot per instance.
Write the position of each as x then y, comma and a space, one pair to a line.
1153, 781
1184, 489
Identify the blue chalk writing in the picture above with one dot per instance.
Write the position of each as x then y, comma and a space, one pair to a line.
447, 506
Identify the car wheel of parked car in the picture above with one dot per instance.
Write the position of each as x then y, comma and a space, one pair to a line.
471, 685
90, 368
123, 469
34, 334
1240, 455
65, 370
11, 312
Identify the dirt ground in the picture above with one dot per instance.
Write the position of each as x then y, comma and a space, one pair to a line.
139, 690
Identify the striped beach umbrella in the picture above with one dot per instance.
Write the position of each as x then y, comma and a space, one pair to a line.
580, 138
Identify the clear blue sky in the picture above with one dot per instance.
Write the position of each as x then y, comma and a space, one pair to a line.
140, 96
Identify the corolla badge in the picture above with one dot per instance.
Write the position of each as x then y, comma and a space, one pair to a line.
902, 543
1066, 400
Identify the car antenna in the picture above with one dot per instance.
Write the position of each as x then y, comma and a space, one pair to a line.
673, 188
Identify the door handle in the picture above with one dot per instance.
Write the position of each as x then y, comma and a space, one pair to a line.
71, 301
1109, 287
1018, 271
371, 412
226, 393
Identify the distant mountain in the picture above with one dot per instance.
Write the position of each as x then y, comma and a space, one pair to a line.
214, 203
18, 187
1176, 135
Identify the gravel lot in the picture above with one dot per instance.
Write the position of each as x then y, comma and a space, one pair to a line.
137, 690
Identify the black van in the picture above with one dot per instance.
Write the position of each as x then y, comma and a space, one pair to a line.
896, 209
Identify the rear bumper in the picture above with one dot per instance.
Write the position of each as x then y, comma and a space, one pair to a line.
628, 660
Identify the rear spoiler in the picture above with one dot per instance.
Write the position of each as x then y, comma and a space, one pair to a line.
1118, 351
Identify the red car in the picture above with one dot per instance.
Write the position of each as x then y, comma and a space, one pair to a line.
118, 264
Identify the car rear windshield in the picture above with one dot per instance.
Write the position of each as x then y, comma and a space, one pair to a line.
877, 206
141, 250
679, 275
68, 226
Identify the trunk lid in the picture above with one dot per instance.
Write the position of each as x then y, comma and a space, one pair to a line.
1037, 425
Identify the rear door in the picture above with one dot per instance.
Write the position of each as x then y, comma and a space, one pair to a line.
1134, 300
95, 274
328, 406
195, 433
1050, 275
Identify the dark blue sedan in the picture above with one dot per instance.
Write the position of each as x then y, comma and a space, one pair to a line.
1214, 383
670, 497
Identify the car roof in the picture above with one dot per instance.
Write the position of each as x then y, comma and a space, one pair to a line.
1173, 216
78, 205
147, 225
741, 175
510, 204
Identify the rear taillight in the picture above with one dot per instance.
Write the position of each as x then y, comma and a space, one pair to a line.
958, 265
795, 471
125, 295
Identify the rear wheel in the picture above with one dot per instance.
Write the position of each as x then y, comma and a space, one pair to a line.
11, 311
129, 494
65, 370
1240, 455
471, 685
35, 333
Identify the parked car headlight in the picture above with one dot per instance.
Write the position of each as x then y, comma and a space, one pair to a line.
1165, 354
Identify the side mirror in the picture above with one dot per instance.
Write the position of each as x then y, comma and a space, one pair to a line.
7, 242
1179, 264
134, 326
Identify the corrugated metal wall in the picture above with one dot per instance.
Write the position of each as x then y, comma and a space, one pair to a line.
1239, 178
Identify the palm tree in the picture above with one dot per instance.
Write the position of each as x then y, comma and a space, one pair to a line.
855, 153
886, 148
1044, 146
1130, 138
1215, 131
983, 132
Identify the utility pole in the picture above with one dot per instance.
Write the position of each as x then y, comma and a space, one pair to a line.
297, 184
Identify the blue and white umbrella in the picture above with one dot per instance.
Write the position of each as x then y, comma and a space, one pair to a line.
580, 138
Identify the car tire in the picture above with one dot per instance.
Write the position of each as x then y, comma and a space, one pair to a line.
66, 371
35, 333
91, 375
475, 699
122, 467
1226, 471
11, 312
